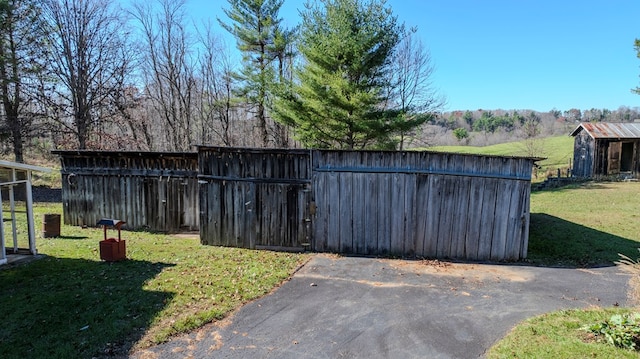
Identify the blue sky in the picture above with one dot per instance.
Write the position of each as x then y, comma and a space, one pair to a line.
514, 54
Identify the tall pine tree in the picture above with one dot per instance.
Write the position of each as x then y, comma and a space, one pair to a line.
261, 40
341, 96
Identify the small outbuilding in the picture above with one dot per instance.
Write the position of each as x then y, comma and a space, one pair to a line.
15, 177
606, 149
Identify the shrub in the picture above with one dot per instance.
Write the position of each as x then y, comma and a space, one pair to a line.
621, 330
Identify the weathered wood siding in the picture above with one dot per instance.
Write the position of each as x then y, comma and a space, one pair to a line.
583, 155
149, 190
255, 198
604, 149
412, 204
421, 204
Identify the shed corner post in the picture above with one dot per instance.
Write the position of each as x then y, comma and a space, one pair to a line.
3, 253
12, 207
30, 224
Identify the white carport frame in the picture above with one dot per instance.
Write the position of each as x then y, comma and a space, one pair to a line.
14, 168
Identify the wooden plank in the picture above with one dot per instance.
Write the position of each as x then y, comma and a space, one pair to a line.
205, 215
474, 222
384, 214
524, 237
265, 212
447, 216
214, 214
238, 215
358, 205
488, 217
393, 202
422, 205
346, 212
332, 209
433, 215
291, 214
302, 209
413, 161
409, 237
260, 226
227, 214
278, 197
514, 225
272, 206
501, 219
461, 215
321, 207
370, 220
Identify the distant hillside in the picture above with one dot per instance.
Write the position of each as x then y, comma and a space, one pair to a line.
557, 150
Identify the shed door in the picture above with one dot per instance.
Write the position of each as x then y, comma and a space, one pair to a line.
614, 158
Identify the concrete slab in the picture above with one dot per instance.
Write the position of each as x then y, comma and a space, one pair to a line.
19, 258
345, 307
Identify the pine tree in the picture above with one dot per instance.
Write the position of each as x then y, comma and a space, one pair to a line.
341, 96
261, 40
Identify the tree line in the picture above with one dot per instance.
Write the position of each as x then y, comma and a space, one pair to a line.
89, 74
487, 127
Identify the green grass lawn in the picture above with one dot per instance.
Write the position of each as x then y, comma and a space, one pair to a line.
559, 335
582, 225
585, 225
69, 304
558, 152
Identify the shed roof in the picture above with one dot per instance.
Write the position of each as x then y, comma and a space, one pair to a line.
605, 130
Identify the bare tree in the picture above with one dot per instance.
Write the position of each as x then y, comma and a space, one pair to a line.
216, 103
89, 60
133, 123
412, 90
168, 69
22, 54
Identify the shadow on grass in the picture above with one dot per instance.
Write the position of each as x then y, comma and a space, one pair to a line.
76, 308
71, 237
554, 241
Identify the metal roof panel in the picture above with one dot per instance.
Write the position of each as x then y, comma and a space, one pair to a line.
609, 130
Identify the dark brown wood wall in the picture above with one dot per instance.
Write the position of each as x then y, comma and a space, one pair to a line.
148, 190
255, 198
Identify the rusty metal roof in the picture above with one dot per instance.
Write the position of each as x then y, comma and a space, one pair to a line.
609, 130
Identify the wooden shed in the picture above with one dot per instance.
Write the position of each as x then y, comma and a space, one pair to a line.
156, 191
412, 204
606, 149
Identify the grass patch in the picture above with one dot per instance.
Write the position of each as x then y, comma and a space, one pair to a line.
581, 225
557, 150
71, 305
585, 225
559, 335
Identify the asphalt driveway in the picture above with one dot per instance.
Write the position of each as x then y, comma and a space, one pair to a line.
346, 307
